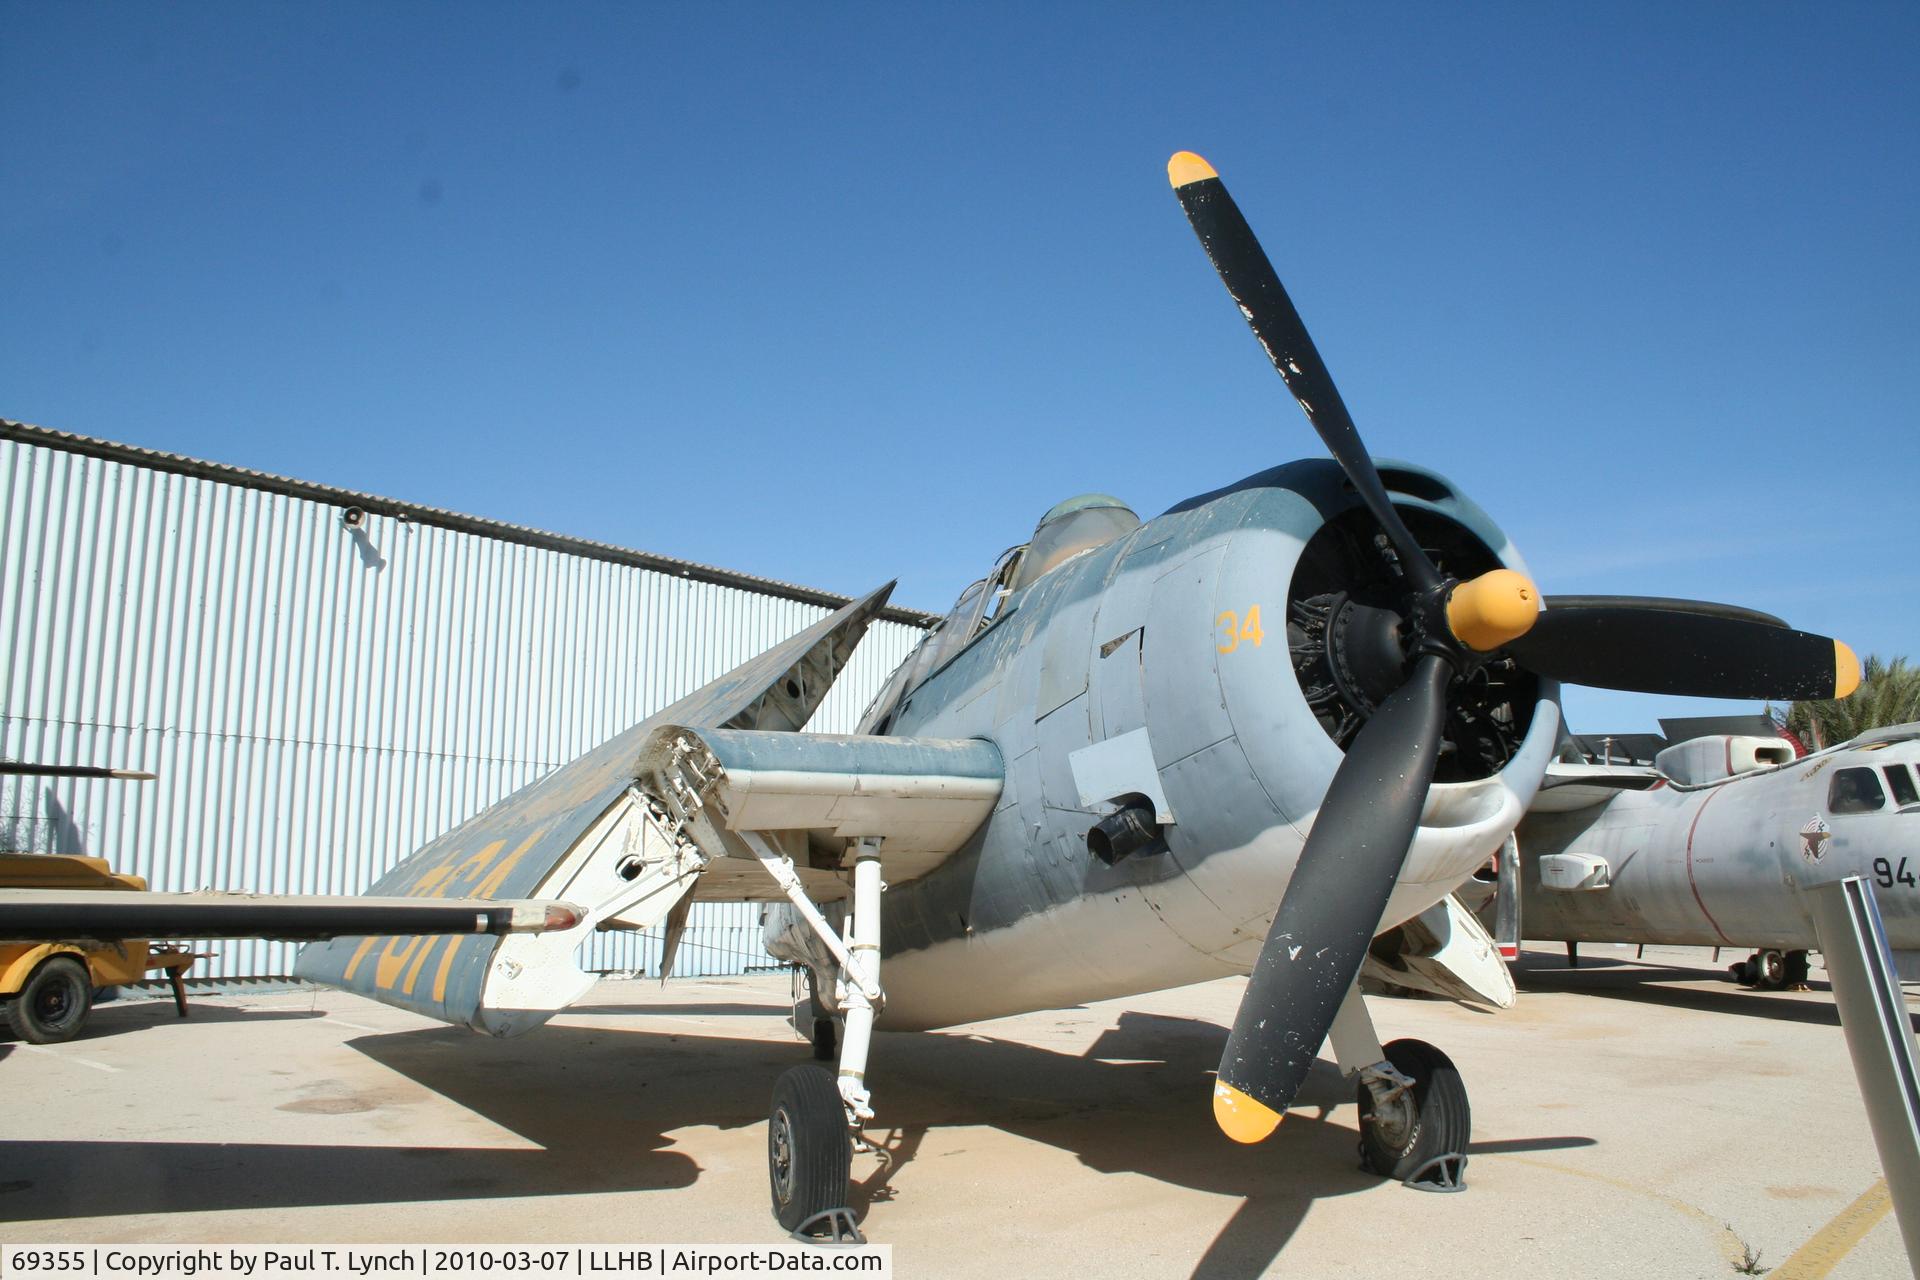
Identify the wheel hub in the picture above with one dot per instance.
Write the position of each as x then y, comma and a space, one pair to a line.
782, 1161
53, 1004
1396, 1121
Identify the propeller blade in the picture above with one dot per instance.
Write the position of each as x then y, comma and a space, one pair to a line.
1683, 647
1251, 280
1340, 887
1708, 607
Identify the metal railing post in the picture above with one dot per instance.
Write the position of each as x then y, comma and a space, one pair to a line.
1873, 1012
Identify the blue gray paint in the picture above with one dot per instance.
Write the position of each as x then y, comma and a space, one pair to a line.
1120, 640
507, 850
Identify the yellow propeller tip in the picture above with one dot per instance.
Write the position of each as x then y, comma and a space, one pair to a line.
1846, 670
1242, 1118
1186, 167
1493, 609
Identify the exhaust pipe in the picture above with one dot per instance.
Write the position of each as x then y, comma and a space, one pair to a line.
1123, 833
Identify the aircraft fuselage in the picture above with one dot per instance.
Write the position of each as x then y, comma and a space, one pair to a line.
1166, 655
1729, 863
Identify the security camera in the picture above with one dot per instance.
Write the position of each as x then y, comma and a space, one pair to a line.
353, 517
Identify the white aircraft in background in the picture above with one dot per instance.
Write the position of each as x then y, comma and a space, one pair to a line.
1716, 842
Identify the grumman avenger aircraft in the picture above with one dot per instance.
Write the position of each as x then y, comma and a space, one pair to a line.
1250, 736
1717, 843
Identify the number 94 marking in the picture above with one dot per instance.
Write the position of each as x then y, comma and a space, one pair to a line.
1887, 877
1233, 630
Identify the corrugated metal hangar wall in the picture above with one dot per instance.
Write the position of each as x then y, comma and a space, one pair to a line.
319, 698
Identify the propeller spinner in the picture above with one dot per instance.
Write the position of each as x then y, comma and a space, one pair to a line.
1352, 857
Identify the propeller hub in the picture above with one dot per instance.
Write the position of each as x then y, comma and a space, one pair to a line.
1493, 610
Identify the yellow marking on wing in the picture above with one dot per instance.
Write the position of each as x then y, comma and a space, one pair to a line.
440, 975
473, 866
491, 885
433, 884
359, 954
390, 963
413, 970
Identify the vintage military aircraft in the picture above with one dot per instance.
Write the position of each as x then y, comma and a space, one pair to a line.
1717, 842
1096, 777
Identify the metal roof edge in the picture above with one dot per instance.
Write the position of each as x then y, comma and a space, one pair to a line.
374, 504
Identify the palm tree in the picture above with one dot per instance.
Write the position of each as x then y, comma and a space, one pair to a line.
1889, 693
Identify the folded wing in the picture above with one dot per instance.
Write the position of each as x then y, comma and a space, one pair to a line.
714, 797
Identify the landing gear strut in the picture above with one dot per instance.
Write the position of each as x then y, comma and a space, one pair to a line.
823, 1034
1415, 1123
816, 1117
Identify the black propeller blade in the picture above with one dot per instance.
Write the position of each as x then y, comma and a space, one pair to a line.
1664, 646
1331, 908
1351, 860
1236, 254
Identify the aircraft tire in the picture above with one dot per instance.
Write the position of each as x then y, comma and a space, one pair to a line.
53, 1004
809, 1154
1769, 971
1433, 1120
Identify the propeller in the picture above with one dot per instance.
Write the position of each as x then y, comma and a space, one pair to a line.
1367, 822
1661, 646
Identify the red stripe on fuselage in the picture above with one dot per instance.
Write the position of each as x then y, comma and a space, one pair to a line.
1691, 884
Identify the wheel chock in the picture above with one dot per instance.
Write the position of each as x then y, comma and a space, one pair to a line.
840, 1229
1446, 1172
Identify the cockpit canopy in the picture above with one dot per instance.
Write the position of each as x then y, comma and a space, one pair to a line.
1067, 530
1071, 527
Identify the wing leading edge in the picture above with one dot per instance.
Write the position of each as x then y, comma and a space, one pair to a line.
47, 915
586, 815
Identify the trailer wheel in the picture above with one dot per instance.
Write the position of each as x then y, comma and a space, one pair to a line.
53, 1004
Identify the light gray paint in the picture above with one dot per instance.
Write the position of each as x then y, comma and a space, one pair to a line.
1727, 863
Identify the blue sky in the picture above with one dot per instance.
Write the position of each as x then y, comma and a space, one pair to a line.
841, 293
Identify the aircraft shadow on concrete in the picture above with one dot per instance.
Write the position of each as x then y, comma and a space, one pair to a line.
712, 1008
1136, 1102
116, 1018
1644, 983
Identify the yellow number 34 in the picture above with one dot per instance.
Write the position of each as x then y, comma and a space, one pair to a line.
1233, 630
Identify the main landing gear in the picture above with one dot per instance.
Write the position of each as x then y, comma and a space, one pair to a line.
816, 1117
1415, 1123
809, 1154
1772, 971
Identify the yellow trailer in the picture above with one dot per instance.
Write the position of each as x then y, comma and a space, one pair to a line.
47, 988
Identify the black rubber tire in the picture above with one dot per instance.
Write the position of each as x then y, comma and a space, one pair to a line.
53, 1004
1443, 1121
1769, 970
809, 1151
1799, 969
